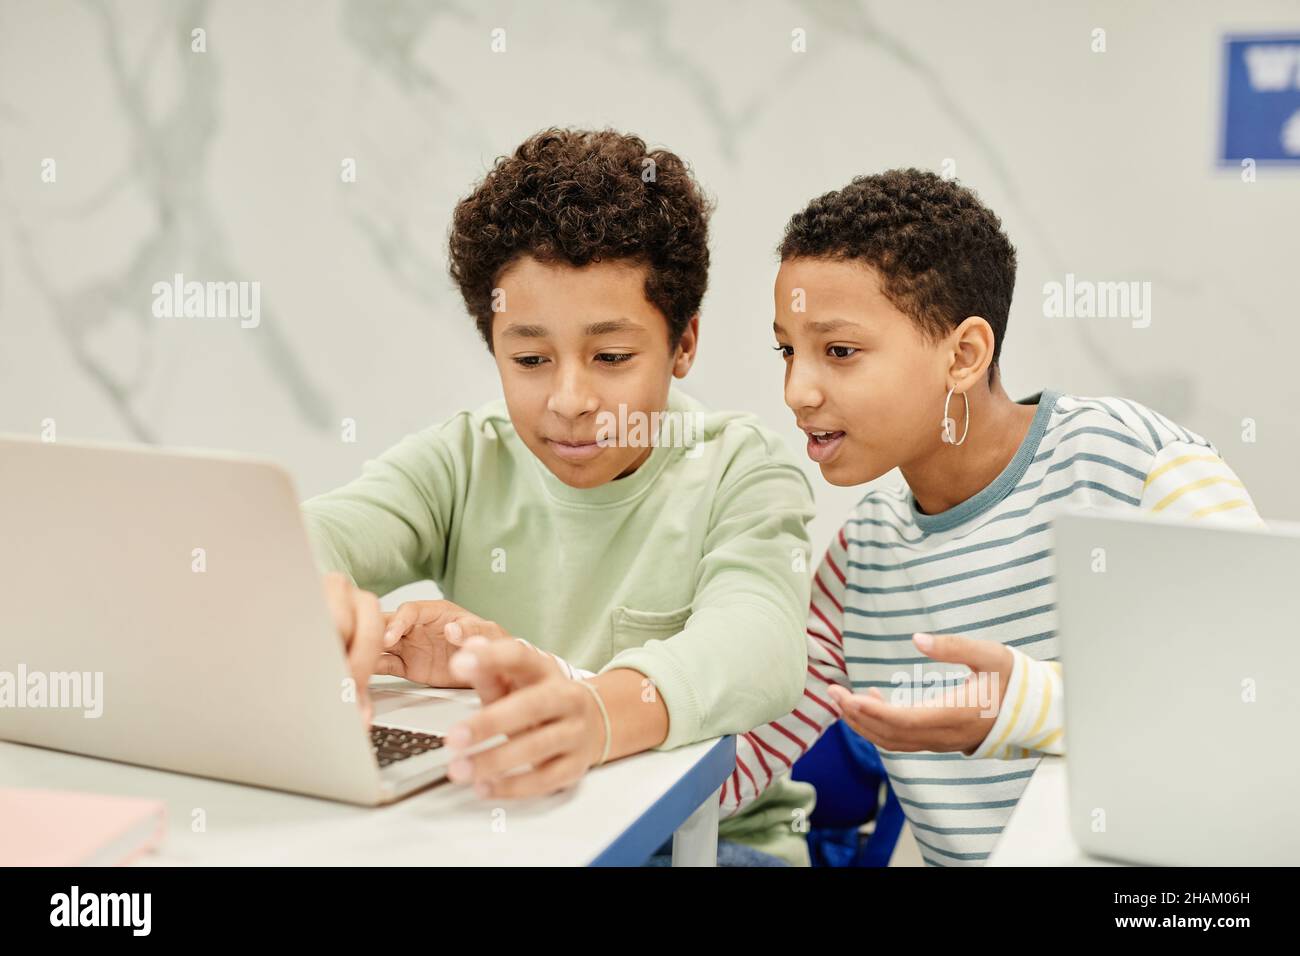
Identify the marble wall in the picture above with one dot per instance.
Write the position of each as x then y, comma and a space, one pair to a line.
226, 165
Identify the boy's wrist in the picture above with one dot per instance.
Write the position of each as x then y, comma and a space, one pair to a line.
993, 742
636, 723
603, 733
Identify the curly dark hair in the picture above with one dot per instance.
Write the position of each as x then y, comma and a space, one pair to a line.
940, 252
582, 196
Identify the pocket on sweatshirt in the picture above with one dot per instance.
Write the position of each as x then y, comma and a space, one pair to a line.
633, 628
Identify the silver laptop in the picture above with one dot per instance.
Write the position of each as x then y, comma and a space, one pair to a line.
1181, 652
163, 608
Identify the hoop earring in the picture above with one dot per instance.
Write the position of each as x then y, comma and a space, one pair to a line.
950, 425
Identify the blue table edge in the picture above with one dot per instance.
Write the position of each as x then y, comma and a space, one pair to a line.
661, 819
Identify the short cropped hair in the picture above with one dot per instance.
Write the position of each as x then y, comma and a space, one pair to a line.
941, 253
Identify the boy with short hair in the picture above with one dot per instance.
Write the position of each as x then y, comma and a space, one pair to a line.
891, 308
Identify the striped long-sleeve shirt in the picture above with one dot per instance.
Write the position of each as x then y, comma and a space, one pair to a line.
982, 569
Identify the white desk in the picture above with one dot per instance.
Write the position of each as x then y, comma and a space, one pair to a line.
617, 815
1038, 833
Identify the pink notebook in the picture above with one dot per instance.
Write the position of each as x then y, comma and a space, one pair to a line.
63, 828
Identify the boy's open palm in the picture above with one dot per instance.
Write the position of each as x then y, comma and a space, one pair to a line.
959, 722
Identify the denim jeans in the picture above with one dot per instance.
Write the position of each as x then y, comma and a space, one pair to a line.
729, 854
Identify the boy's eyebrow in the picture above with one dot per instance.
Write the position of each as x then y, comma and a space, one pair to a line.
526, 331
613, 325
606, 327
821, 328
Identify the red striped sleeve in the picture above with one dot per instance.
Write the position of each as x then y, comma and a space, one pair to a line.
775, 746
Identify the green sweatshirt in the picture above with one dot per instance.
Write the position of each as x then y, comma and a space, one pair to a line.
691, 570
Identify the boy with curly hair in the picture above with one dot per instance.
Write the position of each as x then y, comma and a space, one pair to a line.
650, 548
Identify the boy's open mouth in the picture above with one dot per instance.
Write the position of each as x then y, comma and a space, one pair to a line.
822, 445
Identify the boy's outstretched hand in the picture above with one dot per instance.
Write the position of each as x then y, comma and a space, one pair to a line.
554, 725
958, 722
421, 637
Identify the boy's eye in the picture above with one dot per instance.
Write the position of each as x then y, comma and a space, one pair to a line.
841, 351
785, 350
529, 361
613, 358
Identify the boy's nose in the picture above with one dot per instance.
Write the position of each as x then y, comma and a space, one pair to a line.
572, 396
801, 388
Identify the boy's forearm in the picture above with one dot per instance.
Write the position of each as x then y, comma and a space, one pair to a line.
735, 666
638, 717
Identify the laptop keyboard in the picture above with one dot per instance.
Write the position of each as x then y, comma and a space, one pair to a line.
391, 745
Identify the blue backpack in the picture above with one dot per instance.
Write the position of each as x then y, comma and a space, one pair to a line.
849, 776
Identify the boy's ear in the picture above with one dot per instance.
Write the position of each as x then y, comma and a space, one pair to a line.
972, 352
684, 357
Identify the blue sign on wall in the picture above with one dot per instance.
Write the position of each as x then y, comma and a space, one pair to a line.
1261, 98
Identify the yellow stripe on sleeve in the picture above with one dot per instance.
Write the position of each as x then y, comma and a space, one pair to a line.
1170, 465
1221, 506
1173, 496
1047, 741
1015, 713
